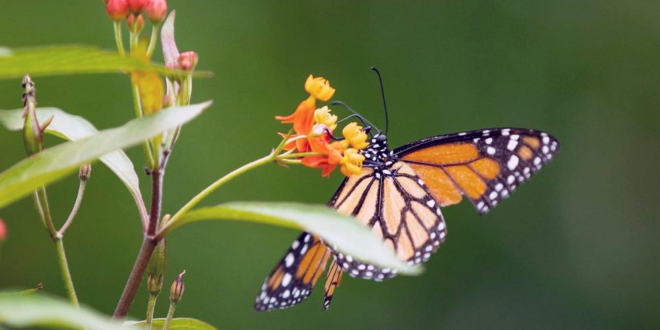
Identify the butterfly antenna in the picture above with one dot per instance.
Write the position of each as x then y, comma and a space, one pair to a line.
382, 92
355, 114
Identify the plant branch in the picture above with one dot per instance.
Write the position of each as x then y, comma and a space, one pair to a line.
138, 114
133, 283
152, 41
118, 39
76, 207
66, 273
217, 184
150, 310
156, 200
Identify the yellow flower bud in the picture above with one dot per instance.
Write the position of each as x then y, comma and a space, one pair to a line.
323, 116
351, 163
355, 136
319, 88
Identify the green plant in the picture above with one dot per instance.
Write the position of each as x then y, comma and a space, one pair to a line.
162, 104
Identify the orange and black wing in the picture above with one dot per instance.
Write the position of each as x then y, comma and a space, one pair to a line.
399, 209
295, 275
333, 279
486, 166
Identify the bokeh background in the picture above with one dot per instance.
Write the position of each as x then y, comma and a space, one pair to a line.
577, 247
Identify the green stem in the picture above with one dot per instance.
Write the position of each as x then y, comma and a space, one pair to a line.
76, 207
170, 315
152, 41
215, 185
150, 310
118, 39
138, 114
66, 274
44, 210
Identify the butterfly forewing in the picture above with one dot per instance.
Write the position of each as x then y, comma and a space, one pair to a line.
294, 276
486, 166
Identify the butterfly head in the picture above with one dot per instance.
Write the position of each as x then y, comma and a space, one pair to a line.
377, 151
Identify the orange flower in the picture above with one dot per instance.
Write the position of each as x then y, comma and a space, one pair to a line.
302, 118
331, 158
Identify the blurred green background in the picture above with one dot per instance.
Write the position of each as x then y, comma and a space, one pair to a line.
577, 247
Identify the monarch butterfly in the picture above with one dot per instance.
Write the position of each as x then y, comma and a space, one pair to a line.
399, 195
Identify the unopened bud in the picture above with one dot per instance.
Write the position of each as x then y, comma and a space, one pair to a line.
156, 11
176, 291
188, 61
116, 9
156, 268
85, 172
3, 231
32, 133
154, 284
135, 23
137, 6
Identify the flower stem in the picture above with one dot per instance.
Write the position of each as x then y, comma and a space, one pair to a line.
118, 39
215, 185
76, 207
150, 310
66, 274
170, 315
151, 163
152, 41
41, 199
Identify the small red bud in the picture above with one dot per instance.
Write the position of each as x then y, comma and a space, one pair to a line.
117, 9
135, 24
156, 11
3, 231
188, 61
137, 6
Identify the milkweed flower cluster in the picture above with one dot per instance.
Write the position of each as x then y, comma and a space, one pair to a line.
314, 133
132, 10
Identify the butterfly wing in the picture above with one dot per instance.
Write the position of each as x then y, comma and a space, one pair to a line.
332, 282
295, 275
486, 166
399, 209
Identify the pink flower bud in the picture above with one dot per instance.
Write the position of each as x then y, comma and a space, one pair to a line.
117, 9
137, 6
3, 231
188, 61
156, 11
135, 24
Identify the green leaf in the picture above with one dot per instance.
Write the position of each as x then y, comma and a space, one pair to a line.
71, 127
72, 59
176, 324
21, 311
343, 233
55, 163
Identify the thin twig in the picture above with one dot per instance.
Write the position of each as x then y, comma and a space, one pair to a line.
76, 207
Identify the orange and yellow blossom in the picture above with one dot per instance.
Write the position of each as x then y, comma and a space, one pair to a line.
351, 163
355, 136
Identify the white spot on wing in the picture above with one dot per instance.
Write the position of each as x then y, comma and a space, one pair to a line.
513, 162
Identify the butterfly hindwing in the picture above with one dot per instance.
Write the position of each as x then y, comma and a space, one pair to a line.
295, 275
332, 282
486, 166
397, 206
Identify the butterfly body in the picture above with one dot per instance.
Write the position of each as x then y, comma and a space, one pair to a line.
399, 195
